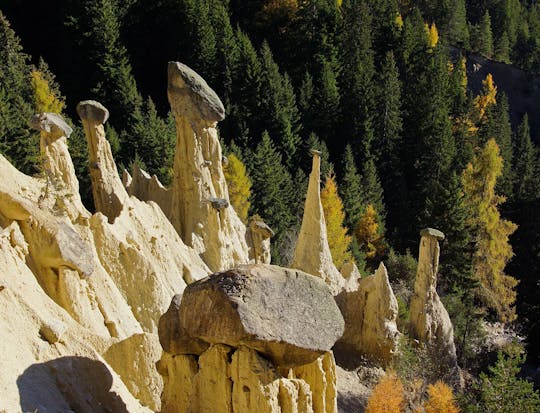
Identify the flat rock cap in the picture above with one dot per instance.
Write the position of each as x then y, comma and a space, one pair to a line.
431, 232
287, 315
190, 96
93, 111
50, 122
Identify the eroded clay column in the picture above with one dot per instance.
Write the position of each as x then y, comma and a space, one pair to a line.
200, 209
109, 193
312, 253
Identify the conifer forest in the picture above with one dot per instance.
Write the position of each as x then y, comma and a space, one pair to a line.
426, 114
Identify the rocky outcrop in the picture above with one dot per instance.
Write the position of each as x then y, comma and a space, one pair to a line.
247, 306
260, 342
50, 361
147, 188
258, 239
312, 253
430, 322
370, 312
200, 209
135, 242
85, 286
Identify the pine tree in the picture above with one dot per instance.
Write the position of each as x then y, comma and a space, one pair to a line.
306, 104
326, 102
154, 141
503, 391
371, 189
493, 250
357, 62
502, 51
239, 185
387, 25
440, 399
18, 143
114, 83
526, 182
456, 30
338, 240
242, 123
388, 141
485, 36
278, 105
272, 191
350, 189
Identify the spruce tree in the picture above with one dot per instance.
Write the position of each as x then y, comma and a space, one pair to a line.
357, 62
272, 191
313, 142
456, 29
280, 115
502, 51
18, 143
114, 83
526, 182
326, 103
485, 36
388, 143
350, 189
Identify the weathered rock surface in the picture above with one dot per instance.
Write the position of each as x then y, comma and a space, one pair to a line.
312, 253
430, 322
83, 286
147, 188
286, 315
258, 238
49, 361
370, 312
227, 380
134, 360
217, 234
109, 193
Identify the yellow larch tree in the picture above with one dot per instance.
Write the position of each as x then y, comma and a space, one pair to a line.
440, 399
486, 98
338, 239
387, 396
239, 185
493, 250
432, 35
370, 236
45, 99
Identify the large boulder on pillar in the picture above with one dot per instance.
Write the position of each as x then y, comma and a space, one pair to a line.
287, 315
430, 322
199, 209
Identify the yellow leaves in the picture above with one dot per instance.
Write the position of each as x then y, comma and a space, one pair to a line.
387, 396
432, 35
493, 250
368, 233
45, 99
440, 399
239, 186
486, 98
338, 240
399, 21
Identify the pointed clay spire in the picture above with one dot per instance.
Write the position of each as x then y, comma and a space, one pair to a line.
312, 253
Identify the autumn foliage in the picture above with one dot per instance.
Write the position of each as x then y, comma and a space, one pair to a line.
239, 186
387, 396
45, 98
440, 399
369, 234
338, 239
493, 249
